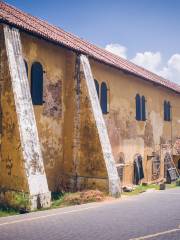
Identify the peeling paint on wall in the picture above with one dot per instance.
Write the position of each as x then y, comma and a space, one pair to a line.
114, 181
56, 126
12, 175
157, 126
53, 99
30, 147
51, 141
148, 134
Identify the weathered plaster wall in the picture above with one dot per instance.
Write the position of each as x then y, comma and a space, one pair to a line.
49, 116
91, 164
128, 136
71, 161
75, 161
12, 169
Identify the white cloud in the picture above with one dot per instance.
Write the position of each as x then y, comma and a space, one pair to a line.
172, 70
151, 61
148, 60
117, 49
174, 62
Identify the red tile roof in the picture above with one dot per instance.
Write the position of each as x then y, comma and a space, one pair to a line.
18, 18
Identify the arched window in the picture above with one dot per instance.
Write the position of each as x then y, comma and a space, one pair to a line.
26, 67
143, 108
97, 86
104, 98
37, 83
167, 111
138, 107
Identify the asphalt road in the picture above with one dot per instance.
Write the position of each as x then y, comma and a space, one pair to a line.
151, 215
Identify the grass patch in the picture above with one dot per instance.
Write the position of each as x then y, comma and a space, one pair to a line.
5, 211
20, 201
172, 185
16, 203
140, 189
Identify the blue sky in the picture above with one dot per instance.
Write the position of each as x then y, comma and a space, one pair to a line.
140, 26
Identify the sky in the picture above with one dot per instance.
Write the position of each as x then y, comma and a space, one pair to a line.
146, 32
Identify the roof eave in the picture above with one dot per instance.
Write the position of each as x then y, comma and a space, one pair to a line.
4, 21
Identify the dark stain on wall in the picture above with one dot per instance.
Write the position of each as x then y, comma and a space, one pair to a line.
35, 166
10, 126
90, 147
120, 127
114, 128
148, 135
91, 158
9, 165
131, 131
53, 100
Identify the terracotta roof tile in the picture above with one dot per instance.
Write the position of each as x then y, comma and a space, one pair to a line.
18, 18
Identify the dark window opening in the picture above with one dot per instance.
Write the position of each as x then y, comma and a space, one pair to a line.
138, 169
37, 83
104, 98
138, 107
167, 111
97, 86
143, 108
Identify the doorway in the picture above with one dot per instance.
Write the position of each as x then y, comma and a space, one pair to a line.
138, 169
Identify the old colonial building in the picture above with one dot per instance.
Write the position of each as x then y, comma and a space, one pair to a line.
74, 116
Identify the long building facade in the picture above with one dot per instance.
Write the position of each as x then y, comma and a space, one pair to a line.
75, 117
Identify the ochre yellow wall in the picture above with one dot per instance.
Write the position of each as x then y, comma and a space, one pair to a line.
130, 137
12, 170
70, 164
49, 116
74, 161
91, 164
